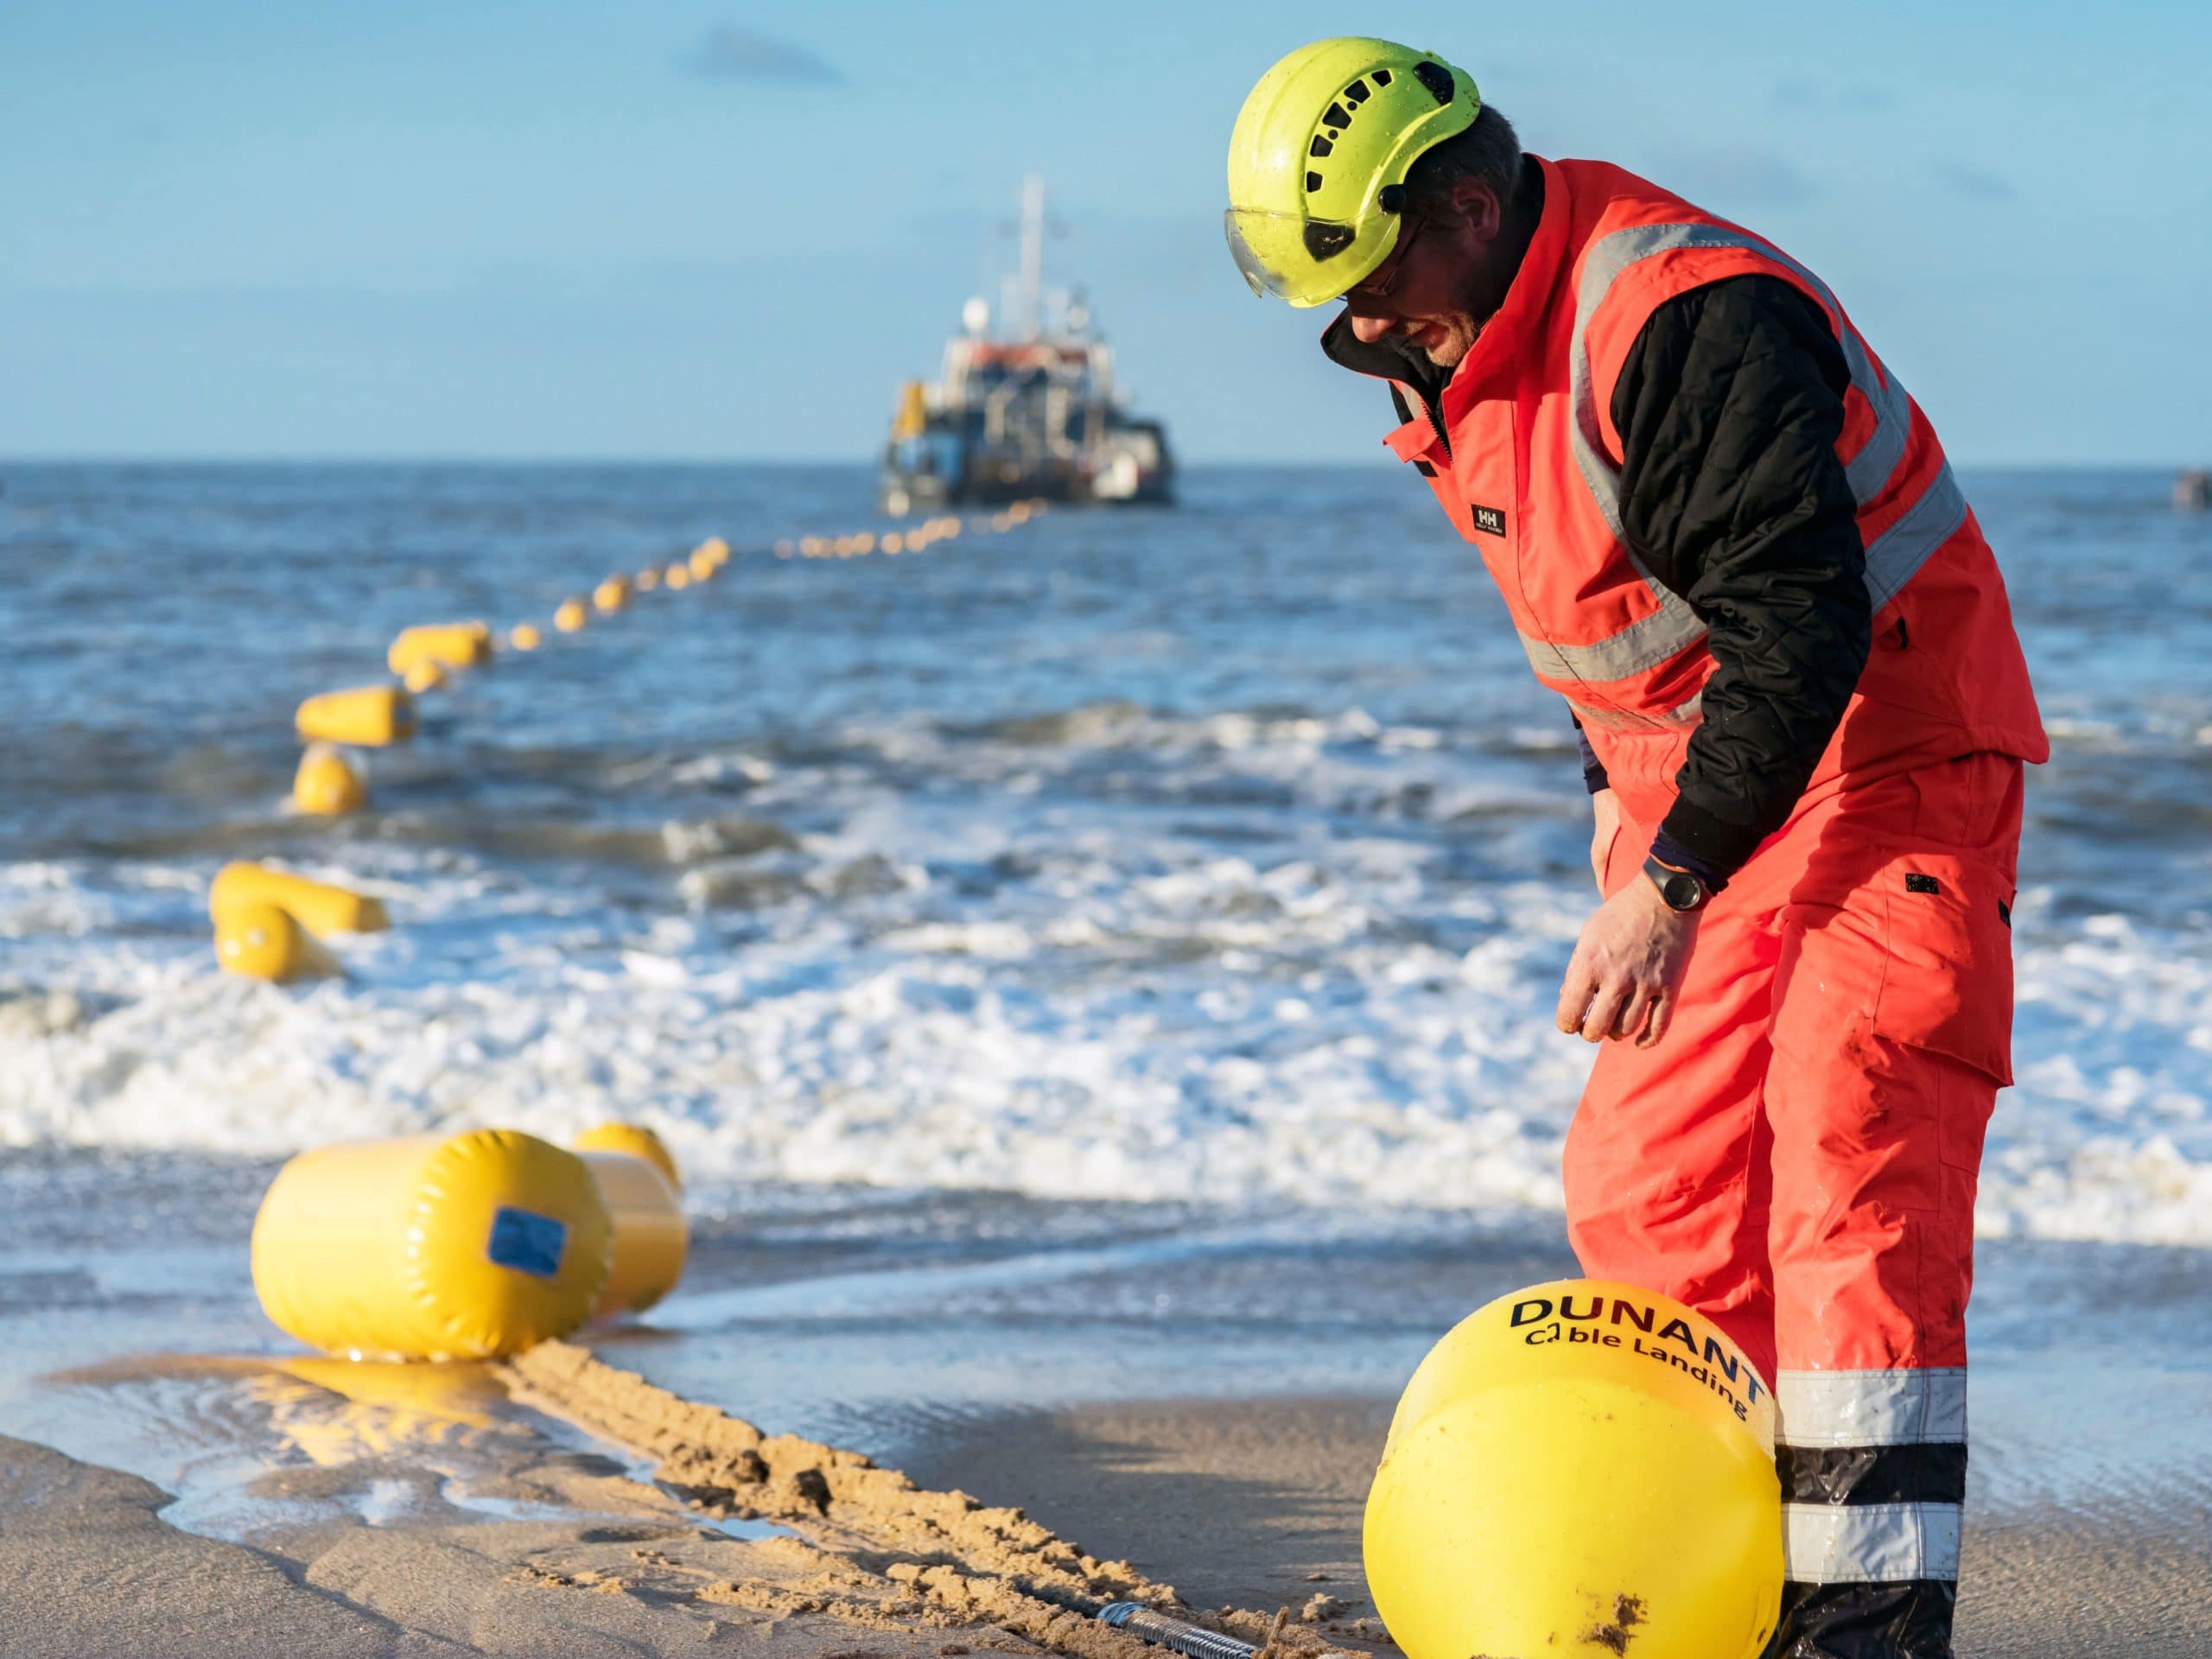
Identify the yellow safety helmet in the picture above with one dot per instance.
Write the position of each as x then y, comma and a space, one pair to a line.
1318, 162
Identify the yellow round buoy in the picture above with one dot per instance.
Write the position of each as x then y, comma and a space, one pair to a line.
611, 595
469, 1246
701, 567
646, 581
650, 1235
713, 550
424, 676
449, 645
570, 615
1579, 1468
260, 941
524, 636
316, 905
894, 544
676, 578
371, 715
327, 783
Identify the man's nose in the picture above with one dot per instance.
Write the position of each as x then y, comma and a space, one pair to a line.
1368, 330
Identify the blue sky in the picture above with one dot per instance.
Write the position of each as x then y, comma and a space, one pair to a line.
712, 230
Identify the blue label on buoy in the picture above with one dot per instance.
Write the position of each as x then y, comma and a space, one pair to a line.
527, 1242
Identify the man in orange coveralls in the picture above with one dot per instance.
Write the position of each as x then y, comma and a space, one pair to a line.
1728, 537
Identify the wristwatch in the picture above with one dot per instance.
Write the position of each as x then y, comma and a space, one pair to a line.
1678, 889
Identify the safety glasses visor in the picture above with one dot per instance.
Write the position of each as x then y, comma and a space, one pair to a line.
1306, 261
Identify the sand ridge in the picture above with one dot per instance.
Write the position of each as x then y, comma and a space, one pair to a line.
946, 1549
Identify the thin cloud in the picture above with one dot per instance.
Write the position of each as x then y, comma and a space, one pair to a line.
1975, 183
1739, 175
734, 53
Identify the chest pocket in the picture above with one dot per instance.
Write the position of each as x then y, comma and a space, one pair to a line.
1475, 479
1488, 481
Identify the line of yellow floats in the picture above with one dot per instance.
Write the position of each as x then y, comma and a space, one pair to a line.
439, 1247
271, 924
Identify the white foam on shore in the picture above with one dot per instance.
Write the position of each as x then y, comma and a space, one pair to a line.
1133, 1017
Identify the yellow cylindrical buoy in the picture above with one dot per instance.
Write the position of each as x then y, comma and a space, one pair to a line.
260, 941
424, 677
316, 905
371, 715
1579, 1468
524, 636
469, 1246
571, 616
650, 1235
449, 645
636, 1140
327, 783
611, 595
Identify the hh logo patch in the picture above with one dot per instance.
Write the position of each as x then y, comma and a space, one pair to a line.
1490, 520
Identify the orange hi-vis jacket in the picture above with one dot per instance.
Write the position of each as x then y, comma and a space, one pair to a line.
1528, 469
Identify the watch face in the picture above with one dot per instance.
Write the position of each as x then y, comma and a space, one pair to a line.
1682, 890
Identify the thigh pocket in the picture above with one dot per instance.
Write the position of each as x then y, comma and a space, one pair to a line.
1947, 983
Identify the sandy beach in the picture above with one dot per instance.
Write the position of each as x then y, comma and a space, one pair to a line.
1089, 1401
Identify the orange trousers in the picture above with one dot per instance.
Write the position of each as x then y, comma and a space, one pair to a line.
1797, 1159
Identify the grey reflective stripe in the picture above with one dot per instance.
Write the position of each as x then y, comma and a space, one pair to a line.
1645, 643
1609, 256
1869, 1543
1895, 556
1675, 627
1682, 714
1873, 1407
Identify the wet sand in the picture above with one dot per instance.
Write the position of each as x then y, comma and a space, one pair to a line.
1258, 1502
1188, 1400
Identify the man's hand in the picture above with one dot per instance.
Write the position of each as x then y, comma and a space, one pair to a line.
1605, 809
1628, 968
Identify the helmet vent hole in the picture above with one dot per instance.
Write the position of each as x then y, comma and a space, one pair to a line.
1334, 116
1321, 146
1382, 77
1326, 241
1313, 182
1436, 77
1357, 92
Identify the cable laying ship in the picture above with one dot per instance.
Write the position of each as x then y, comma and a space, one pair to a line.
1027, 415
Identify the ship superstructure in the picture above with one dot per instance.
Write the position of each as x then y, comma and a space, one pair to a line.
1029, 409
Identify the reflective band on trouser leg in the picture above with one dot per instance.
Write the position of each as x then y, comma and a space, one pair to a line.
1873, 1476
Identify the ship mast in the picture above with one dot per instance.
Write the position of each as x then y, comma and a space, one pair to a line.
1032, 256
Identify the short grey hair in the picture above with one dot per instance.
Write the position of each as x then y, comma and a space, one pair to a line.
1489, 151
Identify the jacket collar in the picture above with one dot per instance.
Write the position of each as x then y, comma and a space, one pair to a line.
1502, 337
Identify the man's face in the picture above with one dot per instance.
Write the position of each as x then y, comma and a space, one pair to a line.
1440, 284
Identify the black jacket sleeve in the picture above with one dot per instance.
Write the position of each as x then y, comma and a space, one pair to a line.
1729, 406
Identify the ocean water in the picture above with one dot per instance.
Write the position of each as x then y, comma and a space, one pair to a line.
1224, 855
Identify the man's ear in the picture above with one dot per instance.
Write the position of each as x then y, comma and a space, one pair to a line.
1474, 201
